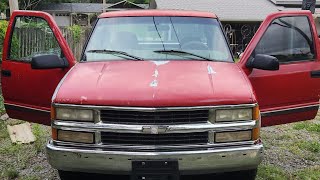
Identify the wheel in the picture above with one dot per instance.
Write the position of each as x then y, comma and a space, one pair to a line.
248, 174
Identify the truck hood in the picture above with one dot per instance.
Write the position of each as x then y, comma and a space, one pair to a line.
154, 84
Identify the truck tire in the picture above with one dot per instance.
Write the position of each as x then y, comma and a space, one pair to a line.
65, 175
68, 175
248, 174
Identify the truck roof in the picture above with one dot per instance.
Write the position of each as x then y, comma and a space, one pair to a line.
134, 13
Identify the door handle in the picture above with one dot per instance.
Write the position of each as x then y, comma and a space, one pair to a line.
6, 73
315, 74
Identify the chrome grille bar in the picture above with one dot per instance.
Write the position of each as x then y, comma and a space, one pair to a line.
155, 139
154, 118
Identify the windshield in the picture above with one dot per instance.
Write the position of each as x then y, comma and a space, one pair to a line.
157, 38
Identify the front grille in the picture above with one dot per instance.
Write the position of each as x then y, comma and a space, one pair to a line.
157, 117
154, 139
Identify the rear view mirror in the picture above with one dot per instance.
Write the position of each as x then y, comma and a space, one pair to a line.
264, 62
48, 62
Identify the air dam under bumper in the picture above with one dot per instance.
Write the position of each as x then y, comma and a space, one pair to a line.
190, 162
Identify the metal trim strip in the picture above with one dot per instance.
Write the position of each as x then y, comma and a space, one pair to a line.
153, 109
181, 128
289, 110
24, 108
151, 147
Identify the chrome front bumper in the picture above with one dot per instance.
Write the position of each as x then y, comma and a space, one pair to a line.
211, 160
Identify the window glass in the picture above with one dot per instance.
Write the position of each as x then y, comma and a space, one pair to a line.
288, 39
31, 37
144, 36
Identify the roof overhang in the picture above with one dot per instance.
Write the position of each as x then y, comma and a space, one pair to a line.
290, 2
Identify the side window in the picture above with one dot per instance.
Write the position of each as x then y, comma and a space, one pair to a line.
32, 36
288, 39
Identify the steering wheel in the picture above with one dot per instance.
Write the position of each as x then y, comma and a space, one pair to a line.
195, 45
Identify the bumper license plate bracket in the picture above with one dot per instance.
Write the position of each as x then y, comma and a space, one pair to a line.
155, 170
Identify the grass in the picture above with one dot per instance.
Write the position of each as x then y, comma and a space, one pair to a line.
312, 146
32, 177
307, 126
292, 152
10, 173
16, 158
312, 173
271, 172
39, 133
2, 109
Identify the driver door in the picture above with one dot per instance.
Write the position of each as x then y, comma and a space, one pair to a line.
290, 93
27, 92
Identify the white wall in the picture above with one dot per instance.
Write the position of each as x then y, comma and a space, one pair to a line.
62, 20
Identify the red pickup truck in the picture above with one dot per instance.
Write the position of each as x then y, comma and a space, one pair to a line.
158, 92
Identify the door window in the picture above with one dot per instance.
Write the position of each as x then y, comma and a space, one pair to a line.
289, 39
32, 36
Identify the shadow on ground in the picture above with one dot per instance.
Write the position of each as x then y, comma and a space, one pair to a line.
194, 177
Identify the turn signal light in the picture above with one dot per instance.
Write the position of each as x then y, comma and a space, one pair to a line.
256, 113
256, 116
74, 136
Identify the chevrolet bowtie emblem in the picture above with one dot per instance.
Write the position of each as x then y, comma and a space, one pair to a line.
155, 129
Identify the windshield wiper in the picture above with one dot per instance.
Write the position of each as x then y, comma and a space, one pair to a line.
114, 52
178, 52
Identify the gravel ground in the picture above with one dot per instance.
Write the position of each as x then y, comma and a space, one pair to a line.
283, 157
292, 151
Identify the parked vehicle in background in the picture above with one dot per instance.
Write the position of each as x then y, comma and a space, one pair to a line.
157, 93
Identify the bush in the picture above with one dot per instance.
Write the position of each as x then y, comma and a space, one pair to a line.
14, 43
76, 31
3, 30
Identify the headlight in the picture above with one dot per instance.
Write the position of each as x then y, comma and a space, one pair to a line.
225, 115
74, 114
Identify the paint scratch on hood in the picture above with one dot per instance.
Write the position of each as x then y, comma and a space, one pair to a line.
156, 73
210, 70
104, 67
83, 99
158, 63
154, 83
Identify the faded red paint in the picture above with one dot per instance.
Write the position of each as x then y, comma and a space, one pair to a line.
28, 87
276, 90
178, 83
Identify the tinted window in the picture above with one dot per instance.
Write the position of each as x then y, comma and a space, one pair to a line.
288, 39
142, 36
32, 36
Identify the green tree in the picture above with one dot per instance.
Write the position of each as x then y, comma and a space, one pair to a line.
31, 4
4, 4
91, 1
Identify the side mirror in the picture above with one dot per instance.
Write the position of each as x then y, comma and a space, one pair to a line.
264, 62
48, 62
